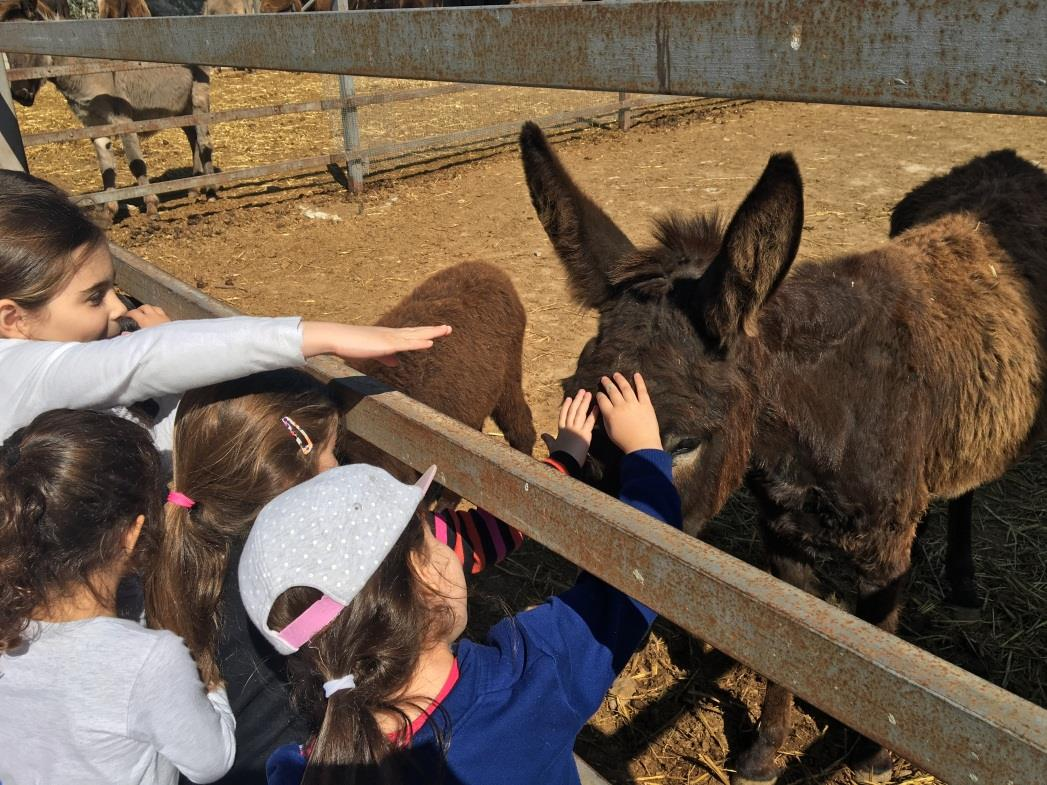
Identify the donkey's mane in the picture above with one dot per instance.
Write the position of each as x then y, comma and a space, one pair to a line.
687, 244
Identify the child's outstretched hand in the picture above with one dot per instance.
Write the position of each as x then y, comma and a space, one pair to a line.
361, 342
628, 416
575, 427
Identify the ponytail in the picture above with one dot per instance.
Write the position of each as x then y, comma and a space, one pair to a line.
379, 639
184, 589
232, 455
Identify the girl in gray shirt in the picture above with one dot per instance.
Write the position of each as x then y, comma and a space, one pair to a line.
58, 303
87, 697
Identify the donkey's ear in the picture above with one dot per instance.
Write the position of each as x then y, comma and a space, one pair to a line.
586, 239
758, 250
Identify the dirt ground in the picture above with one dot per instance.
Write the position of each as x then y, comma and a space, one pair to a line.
683, 711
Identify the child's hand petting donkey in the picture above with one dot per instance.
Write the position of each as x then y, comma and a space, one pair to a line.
628, 416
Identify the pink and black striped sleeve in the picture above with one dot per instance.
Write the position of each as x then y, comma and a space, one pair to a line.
477, 538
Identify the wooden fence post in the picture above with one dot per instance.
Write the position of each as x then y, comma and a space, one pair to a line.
350, 125
12, 153
625, 115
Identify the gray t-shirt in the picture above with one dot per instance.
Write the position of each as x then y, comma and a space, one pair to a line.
38, 376
105, 701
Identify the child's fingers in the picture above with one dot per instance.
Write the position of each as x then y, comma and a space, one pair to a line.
578, 409
565, 409
610, 389
590, 422
641, 389
604, 404
626, 389
424, 333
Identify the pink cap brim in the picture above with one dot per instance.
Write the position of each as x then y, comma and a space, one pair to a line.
426, 479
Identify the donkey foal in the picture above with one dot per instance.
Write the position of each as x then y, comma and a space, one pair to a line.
474, 373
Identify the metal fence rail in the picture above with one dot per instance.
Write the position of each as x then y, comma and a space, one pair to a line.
967, 55
937, 715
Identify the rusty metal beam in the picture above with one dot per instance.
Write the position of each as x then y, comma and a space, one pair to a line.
948, 721
969, 55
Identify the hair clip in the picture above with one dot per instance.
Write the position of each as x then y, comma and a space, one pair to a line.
298, 434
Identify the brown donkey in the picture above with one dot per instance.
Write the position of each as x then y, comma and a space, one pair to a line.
474, 373
848, 394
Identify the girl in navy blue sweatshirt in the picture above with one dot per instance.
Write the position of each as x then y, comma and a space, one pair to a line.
391, 693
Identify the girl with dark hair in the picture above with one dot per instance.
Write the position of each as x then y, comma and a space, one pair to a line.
343, 574
57, 301
238, 445
88, 697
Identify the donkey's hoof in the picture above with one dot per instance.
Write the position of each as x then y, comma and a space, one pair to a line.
875, 770
871, 777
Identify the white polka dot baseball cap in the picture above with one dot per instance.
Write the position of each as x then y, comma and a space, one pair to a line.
330, 533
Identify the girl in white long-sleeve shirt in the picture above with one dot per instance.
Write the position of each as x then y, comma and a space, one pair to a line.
87, 697
57, 303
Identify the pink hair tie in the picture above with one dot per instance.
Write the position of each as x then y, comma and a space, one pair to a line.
180, 500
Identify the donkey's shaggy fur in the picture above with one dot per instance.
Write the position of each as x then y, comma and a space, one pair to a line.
474, 373
848, 394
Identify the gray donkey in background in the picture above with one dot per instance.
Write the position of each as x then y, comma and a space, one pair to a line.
117, 97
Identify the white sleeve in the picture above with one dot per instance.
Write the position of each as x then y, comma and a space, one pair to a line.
171, 711
37, 376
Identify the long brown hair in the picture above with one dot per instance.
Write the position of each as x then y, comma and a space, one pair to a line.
379, 639
232, 455
44, 238
72, 484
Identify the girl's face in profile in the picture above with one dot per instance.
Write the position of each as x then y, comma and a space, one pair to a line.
85, 310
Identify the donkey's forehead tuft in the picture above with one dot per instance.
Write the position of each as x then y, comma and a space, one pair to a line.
687, 245
693, 240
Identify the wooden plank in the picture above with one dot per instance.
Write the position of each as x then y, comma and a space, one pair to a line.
367, 154
350, 125
247, 113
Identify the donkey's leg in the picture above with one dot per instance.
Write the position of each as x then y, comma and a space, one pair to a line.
107, 166
959, 557
136, 162
756, 765
199, 136
198, 169
881, 588
511, 412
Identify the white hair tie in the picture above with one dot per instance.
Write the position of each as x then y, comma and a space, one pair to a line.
334, 685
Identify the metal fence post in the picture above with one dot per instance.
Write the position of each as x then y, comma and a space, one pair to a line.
12, 153
625, 114
350, 125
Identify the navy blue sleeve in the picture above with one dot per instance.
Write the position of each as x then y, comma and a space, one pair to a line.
590, 631
286, 766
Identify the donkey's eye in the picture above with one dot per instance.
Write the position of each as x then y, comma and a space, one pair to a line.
685, 446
